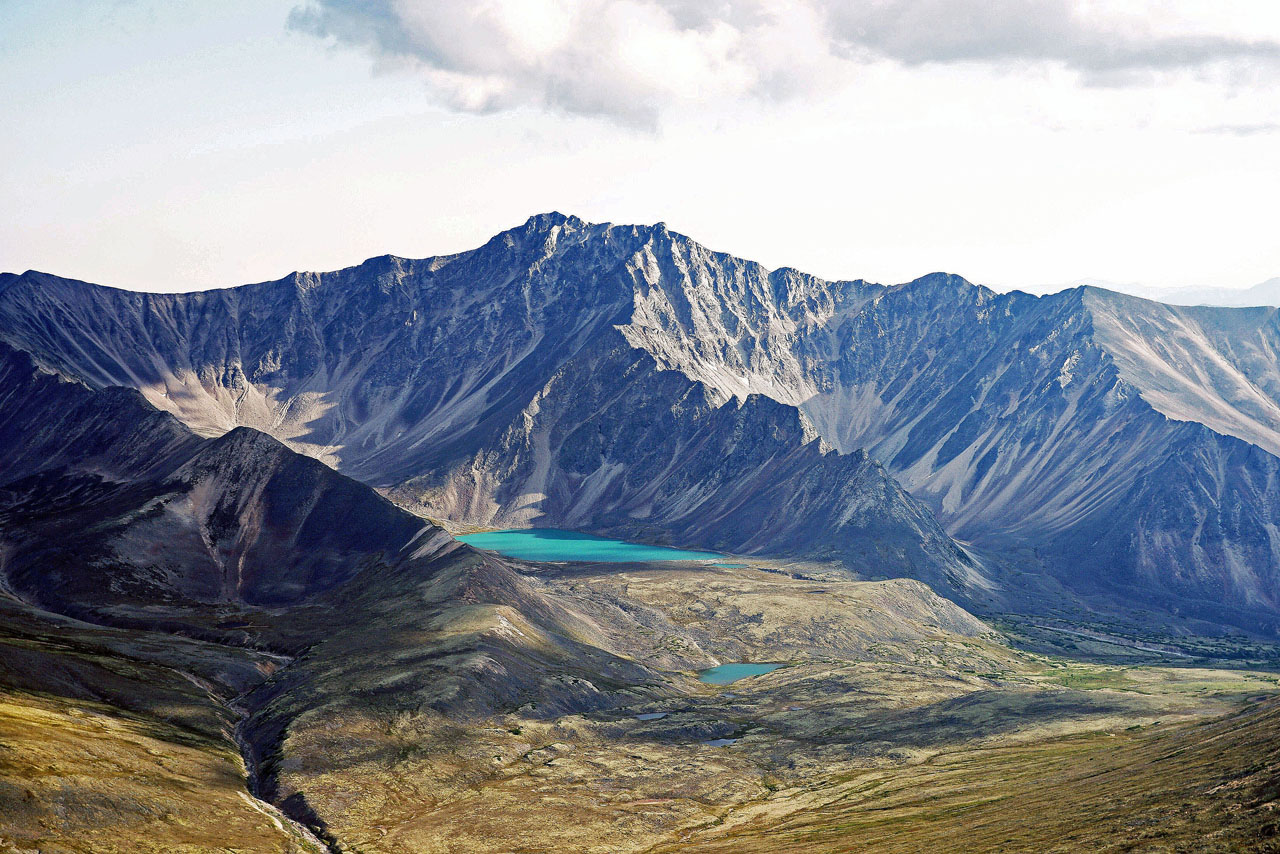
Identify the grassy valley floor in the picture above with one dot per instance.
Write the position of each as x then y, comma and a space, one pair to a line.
463, 709
897, 717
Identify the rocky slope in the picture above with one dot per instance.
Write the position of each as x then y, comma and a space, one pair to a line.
611, 443
624, 378
1120, 445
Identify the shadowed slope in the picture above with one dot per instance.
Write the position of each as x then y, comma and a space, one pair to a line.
119, 507
50, 422
1208, 786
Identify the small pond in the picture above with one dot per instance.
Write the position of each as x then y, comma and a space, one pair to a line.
726, 673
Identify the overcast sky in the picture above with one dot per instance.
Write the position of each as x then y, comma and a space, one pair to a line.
179, 145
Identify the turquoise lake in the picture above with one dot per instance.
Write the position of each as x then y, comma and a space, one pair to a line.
552, 544
726, 673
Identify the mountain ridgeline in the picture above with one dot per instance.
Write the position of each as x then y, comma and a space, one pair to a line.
1014, 452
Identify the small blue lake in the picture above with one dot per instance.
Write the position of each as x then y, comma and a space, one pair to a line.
726, 673
552, 544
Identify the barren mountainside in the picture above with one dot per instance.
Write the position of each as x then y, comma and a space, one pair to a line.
627, 379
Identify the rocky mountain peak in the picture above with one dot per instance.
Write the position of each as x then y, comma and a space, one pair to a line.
944, 283
552, 219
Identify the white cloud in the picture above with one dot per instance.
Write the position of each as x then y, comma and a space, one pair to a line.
1095, 38
626, 59
632, 59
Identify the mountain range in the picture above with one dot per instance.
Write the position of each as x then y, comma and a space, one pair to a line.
233, 614
1263, 293
1016, 452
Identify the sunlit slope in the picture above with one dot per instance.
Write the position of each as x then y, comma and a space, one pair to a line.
123, 742
484, 721
1209, 786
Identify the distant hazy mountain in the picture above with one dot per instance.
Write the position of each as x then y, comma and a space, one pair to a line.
1266, 293
627, 379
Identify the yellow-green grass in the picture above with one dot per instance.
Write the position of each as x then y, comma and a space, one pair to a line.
79, 776
119, 741
1206, 786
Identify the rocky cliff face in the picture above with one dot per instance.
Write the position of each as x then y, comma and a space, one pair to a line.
627, 379
1102, 436
365, 367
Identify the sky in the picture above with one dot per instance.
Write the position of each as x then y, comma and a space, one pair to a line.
182, 145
